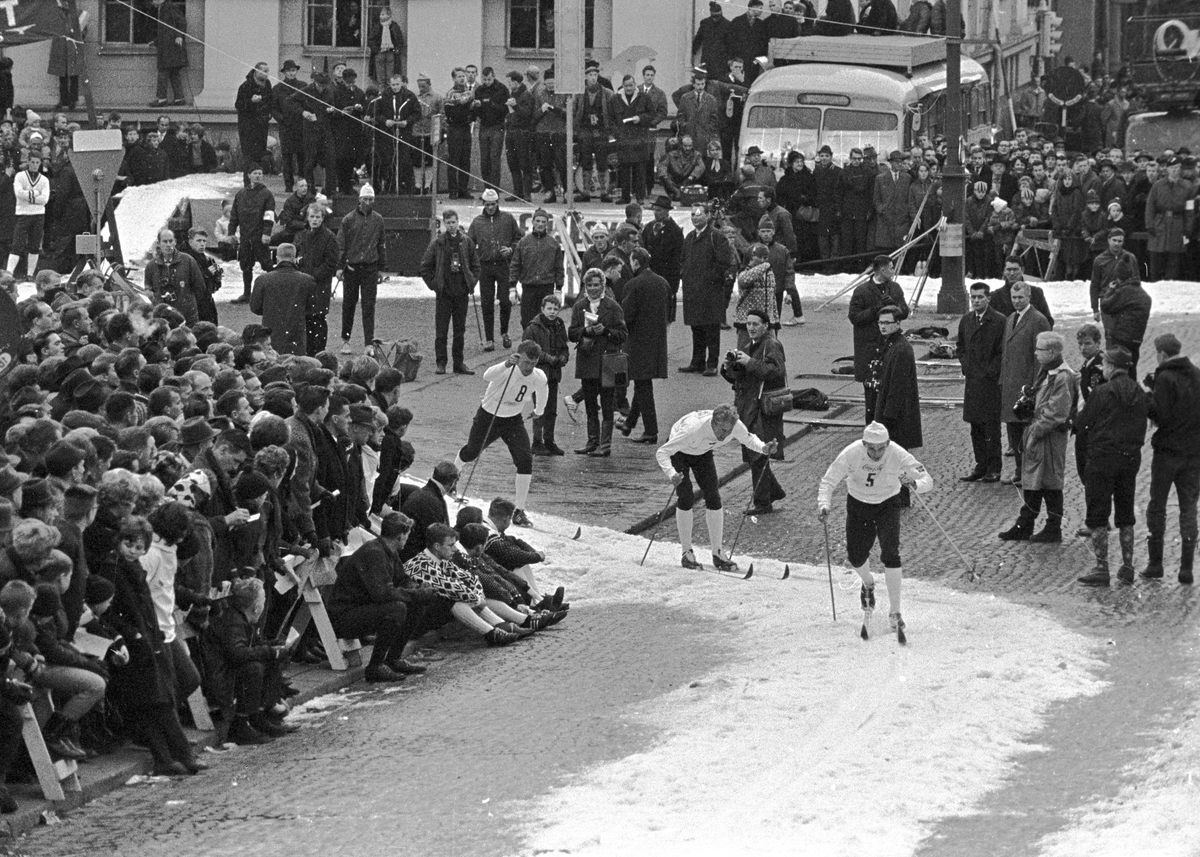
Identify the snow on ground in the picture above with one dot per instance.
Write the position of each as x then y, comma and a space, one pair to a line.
808, 735
145, 209
1158, 816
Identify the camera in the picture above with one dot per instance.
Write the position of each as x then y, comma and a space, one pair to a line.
1025, 405
731, 356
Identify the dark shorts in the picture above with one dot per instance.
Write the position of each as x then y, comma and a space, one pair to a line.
867, 521
705, 470
511, 430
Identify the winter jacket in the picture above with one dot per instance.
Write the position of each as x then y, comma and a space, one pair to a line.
1044, 458
646, 307
362, 241
491, 233
493, 106
253, 213
865, 304
177, 281
756, 290
980, 354
1175, 408
283, 297
1114, 418
1125, 311
593, 346
537, 261
436, 266
551, 336
897, 399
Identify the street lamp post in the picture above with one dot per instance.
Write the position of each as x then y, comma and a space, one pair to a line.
952, 298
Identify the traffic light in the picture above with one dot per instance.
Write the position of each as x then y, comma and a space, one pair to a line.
1052, 31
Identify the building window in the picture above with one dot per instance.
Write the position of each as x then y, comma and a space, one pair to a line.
126, 26
339, 23
531, 24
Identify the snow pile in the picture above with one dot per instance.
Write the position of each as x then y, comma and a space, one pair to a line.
145, 209
809, 734
1157, 817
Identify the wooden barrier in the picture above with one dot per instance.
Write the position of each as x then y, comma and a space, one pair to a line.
55, 777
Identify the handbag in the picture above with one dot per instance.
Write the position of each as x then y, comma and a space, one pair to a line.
808, 213
614, 370
403, 354
775, 402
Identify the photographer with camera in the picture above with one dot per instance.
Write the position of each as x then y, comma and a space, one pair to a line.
1018, 367
1048, 405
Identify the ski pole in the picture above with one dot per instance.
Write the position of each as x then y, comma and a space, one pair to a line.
829, 568
658, 524
462, 497
478, 323
970, 566
753, 491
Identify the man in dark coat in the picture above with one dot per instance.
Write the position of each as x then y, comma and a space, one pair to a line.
878, 18
1125, 311
253, 105
663, 238
450, 268
1001, 300
760, 367
350, 104
252, 218
866, 302
827, 183
980, 352
838, 19
210, 267
286, 107
174, 278
748, 40
284, 298
1018, 368
550, 333
170, 50
707, 262
317, 256
316, 107
645, 306
395, 114
890, 198
897, 397
711, 41
857, 207
388, 52
427, 505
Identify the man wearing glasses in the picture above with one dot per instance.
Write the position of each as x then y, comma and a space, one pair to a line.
1018, 368
897, 400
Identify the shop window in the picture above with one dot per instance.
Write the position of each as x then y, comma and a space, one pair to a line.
124, 25
340, 23
531, 24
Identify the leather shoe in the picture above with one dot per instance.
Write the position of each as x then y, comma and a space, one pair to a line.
505, 341
708, 373
759, 510
1016, 533
405, 667
691, 369
624, 428
489, 346
170, 769
540, 449
440, 370
646, 438
381, 673
463, 370
973, 476
990, 477
554, 449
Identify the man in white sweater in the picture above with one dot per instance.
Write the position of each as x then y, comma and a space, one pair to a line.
32, 190
689, 452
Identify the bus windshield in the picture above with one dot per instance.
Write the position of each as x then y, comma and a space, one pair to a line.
774, 116
847, 129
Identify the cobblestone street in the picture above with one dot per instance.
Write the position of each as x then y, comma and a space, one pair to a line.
449, 763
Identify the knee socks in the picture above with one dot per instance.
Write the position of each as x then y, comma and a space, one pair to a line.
522, 489
715, 520
864, 571
893, 576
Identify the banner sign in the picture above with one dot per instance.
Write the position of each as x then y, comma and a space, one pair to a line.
26, 21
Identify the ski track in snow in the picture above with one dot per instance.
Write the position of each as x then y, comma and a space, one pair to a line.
808, 735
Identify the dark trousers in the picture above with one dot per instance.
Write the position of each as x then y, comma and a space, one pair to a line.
543, 426
346, 157
458, 151
597, 401
631, 178
493, 283
865, 522
854, 238
291, 156
68, 90
1165, 266
487, 428
393, 167
706, 340
257, 685
10, 737
519, 151
365, 279
531, 300
1167, 469
316, 329
491, 150
705, 470
384, 64
250, 251
1080, 453
185, 676
790, 290
985, 442
174, 78
158, 725
387, 622
1033, 507
643, 406
1109, 481
450, 308
766, 487
318, 151
552, 158
1016, 431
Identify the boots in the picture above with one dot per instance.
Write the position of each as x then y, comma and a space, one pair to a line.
1154, 566
539, 445
548, 424
56, 734
605, 448
593, 441
1052, 532
1099, 574
1186, 553
1125, 575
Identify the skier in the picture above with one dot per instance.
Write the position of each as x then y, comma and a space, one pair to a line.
874, 469
501, 416
688, 452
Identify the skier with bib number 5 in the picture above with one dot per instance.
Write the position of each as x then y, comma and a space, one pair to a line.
873, 470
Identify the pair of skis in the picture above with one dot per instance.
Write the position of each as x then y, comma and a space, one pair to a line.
868, 606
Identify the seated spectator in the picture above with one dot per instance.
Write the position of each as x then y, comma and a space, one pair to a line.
517, 556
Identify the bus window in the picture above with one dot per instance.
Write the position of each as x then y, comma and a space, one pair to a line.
768, 116
847, 129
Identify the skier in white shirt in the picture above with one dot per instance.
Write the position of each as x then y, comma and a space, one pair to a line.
512, 386
32, 190
873, 470
687, 453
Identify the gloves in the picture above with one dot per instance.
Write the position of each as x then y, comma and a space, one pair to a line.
16, 692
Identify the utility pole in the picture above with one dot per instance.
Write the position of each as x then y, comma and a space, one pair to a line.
952, 297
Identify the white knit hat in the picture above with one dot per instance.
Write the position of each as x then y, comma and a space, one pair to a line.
876, 433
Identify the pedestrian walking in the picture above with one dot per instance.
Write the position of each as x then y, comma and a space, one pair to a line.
688, 453
550, 333
1018, 367
1175, 410
645, 309
598, 328
362, 248
981, 355
1114, 422
501, 416
450, 269
494, 234
874, 470
1049, 409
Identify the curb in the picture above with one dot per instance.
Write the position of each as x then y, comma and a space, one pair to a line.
651, 520
108, 773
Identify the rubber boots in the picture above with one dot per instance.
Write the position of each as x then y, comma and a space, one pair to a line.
1125, 575
1154, 566
1186, 554
1099, 573
604, 449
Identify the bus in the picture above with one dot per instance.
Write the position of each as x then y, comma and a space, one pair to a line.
1160, 48
857, 90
